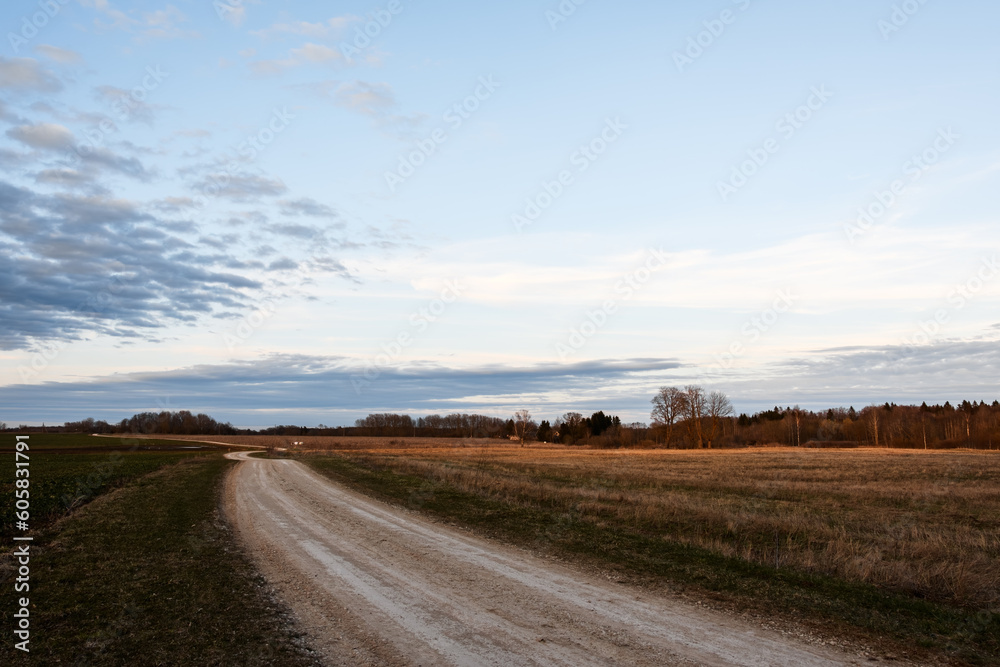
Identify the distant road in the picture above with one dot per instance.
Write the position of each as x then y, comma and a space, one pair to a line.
373, 584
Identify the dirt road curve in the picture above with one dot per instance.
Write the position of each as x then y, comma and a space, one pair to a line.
372, 584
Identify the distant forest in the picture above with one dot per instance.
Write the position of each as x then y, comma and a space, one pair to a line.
973, 425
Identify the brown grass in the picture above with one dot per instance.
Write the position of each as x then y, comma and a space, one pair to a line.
921, 523
924, 523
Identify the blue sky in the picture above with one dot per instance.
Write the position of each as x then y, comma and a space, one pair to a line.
251, 209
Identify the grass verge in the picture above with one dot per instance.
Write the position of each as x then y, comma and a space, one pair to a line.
70, 470
148, 574
829, 605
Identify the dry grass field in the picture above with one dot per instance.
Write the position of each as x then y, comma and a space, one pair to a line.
900, 544
925, 523
920, 523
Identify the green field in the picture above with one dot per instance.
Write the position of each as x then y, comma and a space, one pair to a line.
143, 569
68, 471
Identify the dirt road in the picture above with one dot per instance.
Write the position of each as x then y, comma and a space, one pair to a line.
373, 584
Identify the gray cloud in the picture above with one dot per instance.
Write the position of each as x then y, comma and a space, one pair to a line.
283, 264
193, 134
94, 265
26, 74
240, 187
72, 179
64, 177
107, 160
125, 105
295, 231
312, 389
46, 136
53, 137
7, 115
175, 204
945, 370
11, 159
306, 206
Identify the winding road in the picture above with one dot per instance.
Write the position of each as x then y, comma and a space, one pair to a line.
373, 584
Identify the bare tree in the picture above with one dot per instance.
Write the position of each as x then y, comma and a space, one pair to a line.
522, 423
694, 411
795, 427
717, 407
872, 419
668, 409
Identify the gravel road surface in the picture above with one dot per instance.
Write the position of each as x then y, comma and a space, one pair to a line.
372, 584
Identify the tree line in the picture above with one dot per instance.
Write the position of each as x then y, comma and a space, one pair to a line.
681, 417
970, 424
181, 422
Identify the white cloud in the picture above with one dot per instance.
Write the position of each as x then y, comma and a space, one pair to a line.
307, 54
62, 56
375, 100
899, 274
371, 99
316, 53
158, 24
271, 67
318, 30
235, 14
119, 19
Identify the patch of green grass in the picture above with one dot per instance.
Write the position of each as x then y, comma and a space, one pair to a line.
148, 574
821, 601
64, 441
63, 478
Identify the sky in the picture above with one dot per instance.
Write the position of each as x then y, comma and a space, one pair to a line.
304, 212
